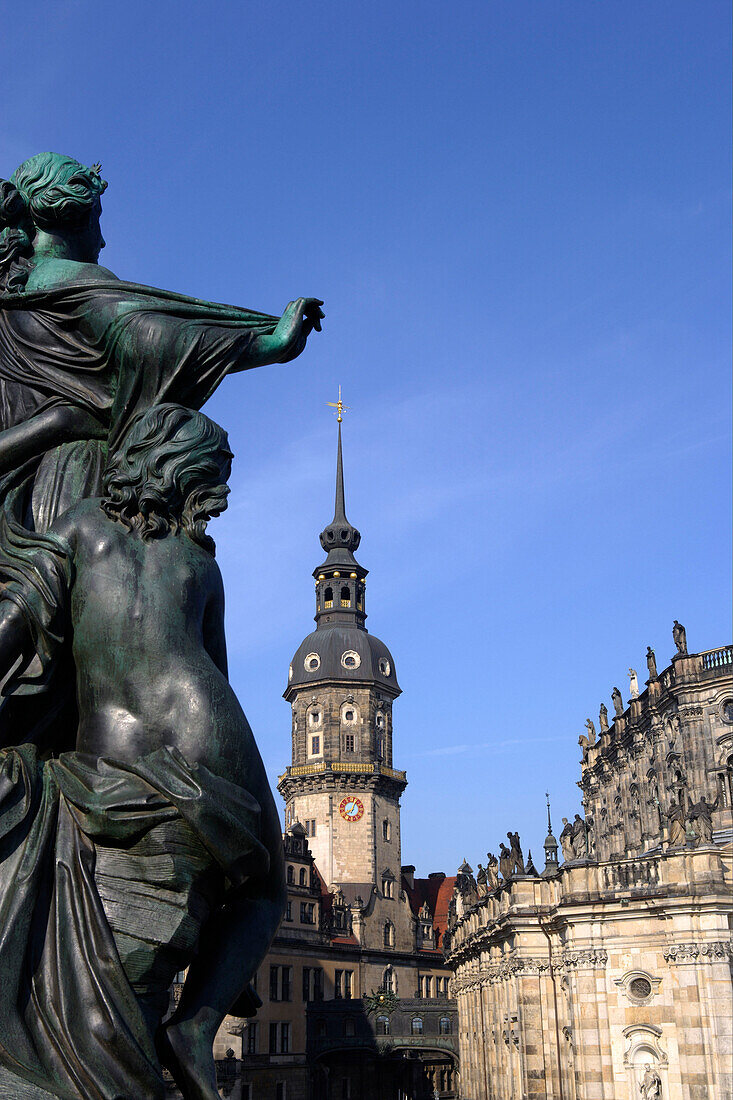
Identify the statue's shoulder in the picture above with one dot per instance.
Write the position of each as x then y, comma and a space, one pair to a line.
59, 274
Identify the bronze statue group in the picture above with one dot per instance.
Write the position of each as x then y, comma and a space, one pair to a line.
138, 834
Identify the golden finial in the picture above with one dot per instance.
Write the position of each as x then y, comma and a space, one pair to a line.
339, 406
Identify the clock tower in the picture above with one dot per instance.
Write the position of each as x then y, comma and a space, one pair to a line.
342, 786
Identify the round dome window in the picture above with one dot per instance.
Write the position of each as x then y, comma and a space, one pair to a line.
384, 666
640, 989
312, 662
350, 659
290, 673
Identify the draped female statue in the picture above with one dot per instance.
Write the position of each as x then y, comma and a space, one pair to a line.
81, 351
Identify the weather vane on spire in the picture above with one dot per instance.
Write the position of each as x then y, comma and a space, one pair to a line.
339, 406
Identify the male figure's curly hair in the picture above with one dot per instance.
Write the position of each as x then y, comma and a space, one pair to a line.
47, 191
169, 474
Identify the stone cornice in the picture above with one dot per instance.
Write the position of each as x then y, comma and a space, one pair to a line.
693, 952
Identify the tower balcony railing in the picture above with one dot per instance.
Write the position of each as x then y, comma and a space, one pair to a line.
344, 766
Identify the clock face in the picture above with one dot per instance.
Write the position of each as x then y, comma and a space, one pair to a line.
351, 808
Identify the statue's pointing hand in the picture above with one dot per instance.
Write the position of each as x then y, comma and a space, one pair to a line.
312, 314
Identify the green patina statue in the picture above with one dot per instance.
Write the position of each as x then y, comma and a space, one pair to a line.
82, 351
138, 834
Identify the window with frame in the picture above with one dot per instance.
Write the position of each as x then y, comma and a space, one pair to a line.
281, 981
445, 1028
307, 912
289, 911
314, 718
315, 749
349, 1027
420, 986
349, 742
349, 715
272, 1036
290, 875
343, 984
428, 986
303, 877
252, 1030
310, 827
382, 1025
386, 830
388, 981
416, 1025
388, 934
346, 1086
388, 887
285, 1037
321, 1029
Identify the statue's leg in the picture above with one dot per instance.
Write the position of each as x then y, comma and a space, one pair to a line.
156, 895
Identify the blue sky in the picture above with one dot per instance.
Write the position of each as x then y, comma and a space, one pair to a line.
518, 217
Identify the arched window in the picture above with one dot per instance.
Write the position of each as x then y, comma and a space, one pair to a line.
346, 596
382, 1025
445, 1025
328, 599
388, 887
386, 830
303, 877
388, 934
349, 1027
388, 981
291, 874
416, 1026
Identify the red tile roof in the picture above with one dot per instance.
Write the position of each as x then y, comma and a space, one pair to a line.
435, 891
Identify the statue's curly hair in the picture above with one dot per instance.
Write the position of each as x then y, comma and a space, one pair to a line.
46, 191
169, 474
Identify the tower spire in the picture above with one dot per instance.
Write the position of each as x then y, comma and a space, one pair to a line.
340, 580
339, 512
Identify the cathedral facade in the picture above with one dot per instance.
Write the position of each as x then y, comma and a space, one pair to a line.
355, 988
608, 975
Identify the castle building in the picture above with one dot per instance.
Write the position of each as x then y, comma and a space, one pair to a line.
355, 987
608, 977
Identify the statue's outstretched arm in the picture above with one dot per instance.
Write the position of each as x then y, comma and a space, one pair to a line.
50, 428
299, 319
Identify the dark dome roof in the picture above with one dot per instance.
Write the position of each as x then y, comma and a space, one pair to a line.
333, 646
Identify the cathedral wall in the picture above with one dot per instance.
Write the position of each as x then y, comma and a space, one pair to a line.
628, 979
